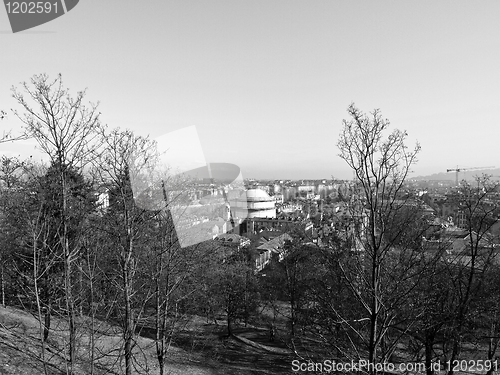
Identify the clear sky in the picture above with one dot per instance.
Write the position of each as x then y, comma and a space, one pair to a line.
267, 82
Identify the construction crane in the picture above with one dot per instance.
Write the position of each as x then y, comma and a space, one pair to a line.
456, 170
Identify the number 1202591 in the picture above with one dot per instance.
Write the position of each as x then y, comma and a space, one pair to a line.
471, 365
31, 7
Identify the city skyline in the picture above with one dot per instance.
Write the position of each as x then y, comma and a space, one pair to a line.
267, 84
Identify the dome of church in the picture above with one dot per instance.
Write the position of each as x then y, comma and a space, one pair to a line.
258, 195
252, 203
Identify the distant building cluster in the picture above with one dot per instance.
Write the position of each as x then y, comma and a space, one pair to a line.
263, 213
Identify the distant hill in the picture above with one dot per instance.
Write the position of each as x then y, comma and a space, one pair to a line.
468, 175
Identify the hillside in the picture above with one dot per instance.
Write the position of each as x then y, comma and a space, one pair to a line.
198, 351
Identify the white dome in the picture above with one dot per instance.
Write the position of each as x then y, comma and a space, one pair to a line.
258, 195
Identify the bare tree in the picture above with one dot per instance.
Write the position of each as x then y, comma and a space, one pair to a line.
172, 268
124, 157
68, 132
39, 268
28, 235
10, 169
479, 213
380, 167
488, 311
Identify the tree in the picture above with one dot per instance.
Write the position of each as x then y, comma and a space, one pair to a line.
69, 133
10, 178
295, 270
80, 202
332, 313
457, 298
171, 275
380, 168
228, 284
486, 312
124, 222
474, 263
27, 236
431, 307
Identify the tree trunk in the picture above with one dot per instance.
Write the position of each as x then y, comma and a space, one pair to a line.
80, 288
493, 341
160, 318
128, 333
38, 302
159, 331
70, 305
68, 282
92, 315
372, 345
46, 326
2, 277
429, 345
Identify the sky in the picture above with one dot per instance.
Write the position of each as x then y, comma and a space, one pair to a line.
267, 83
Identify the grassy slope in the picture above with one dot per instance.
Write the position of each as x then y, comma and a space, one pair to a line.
198, 351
